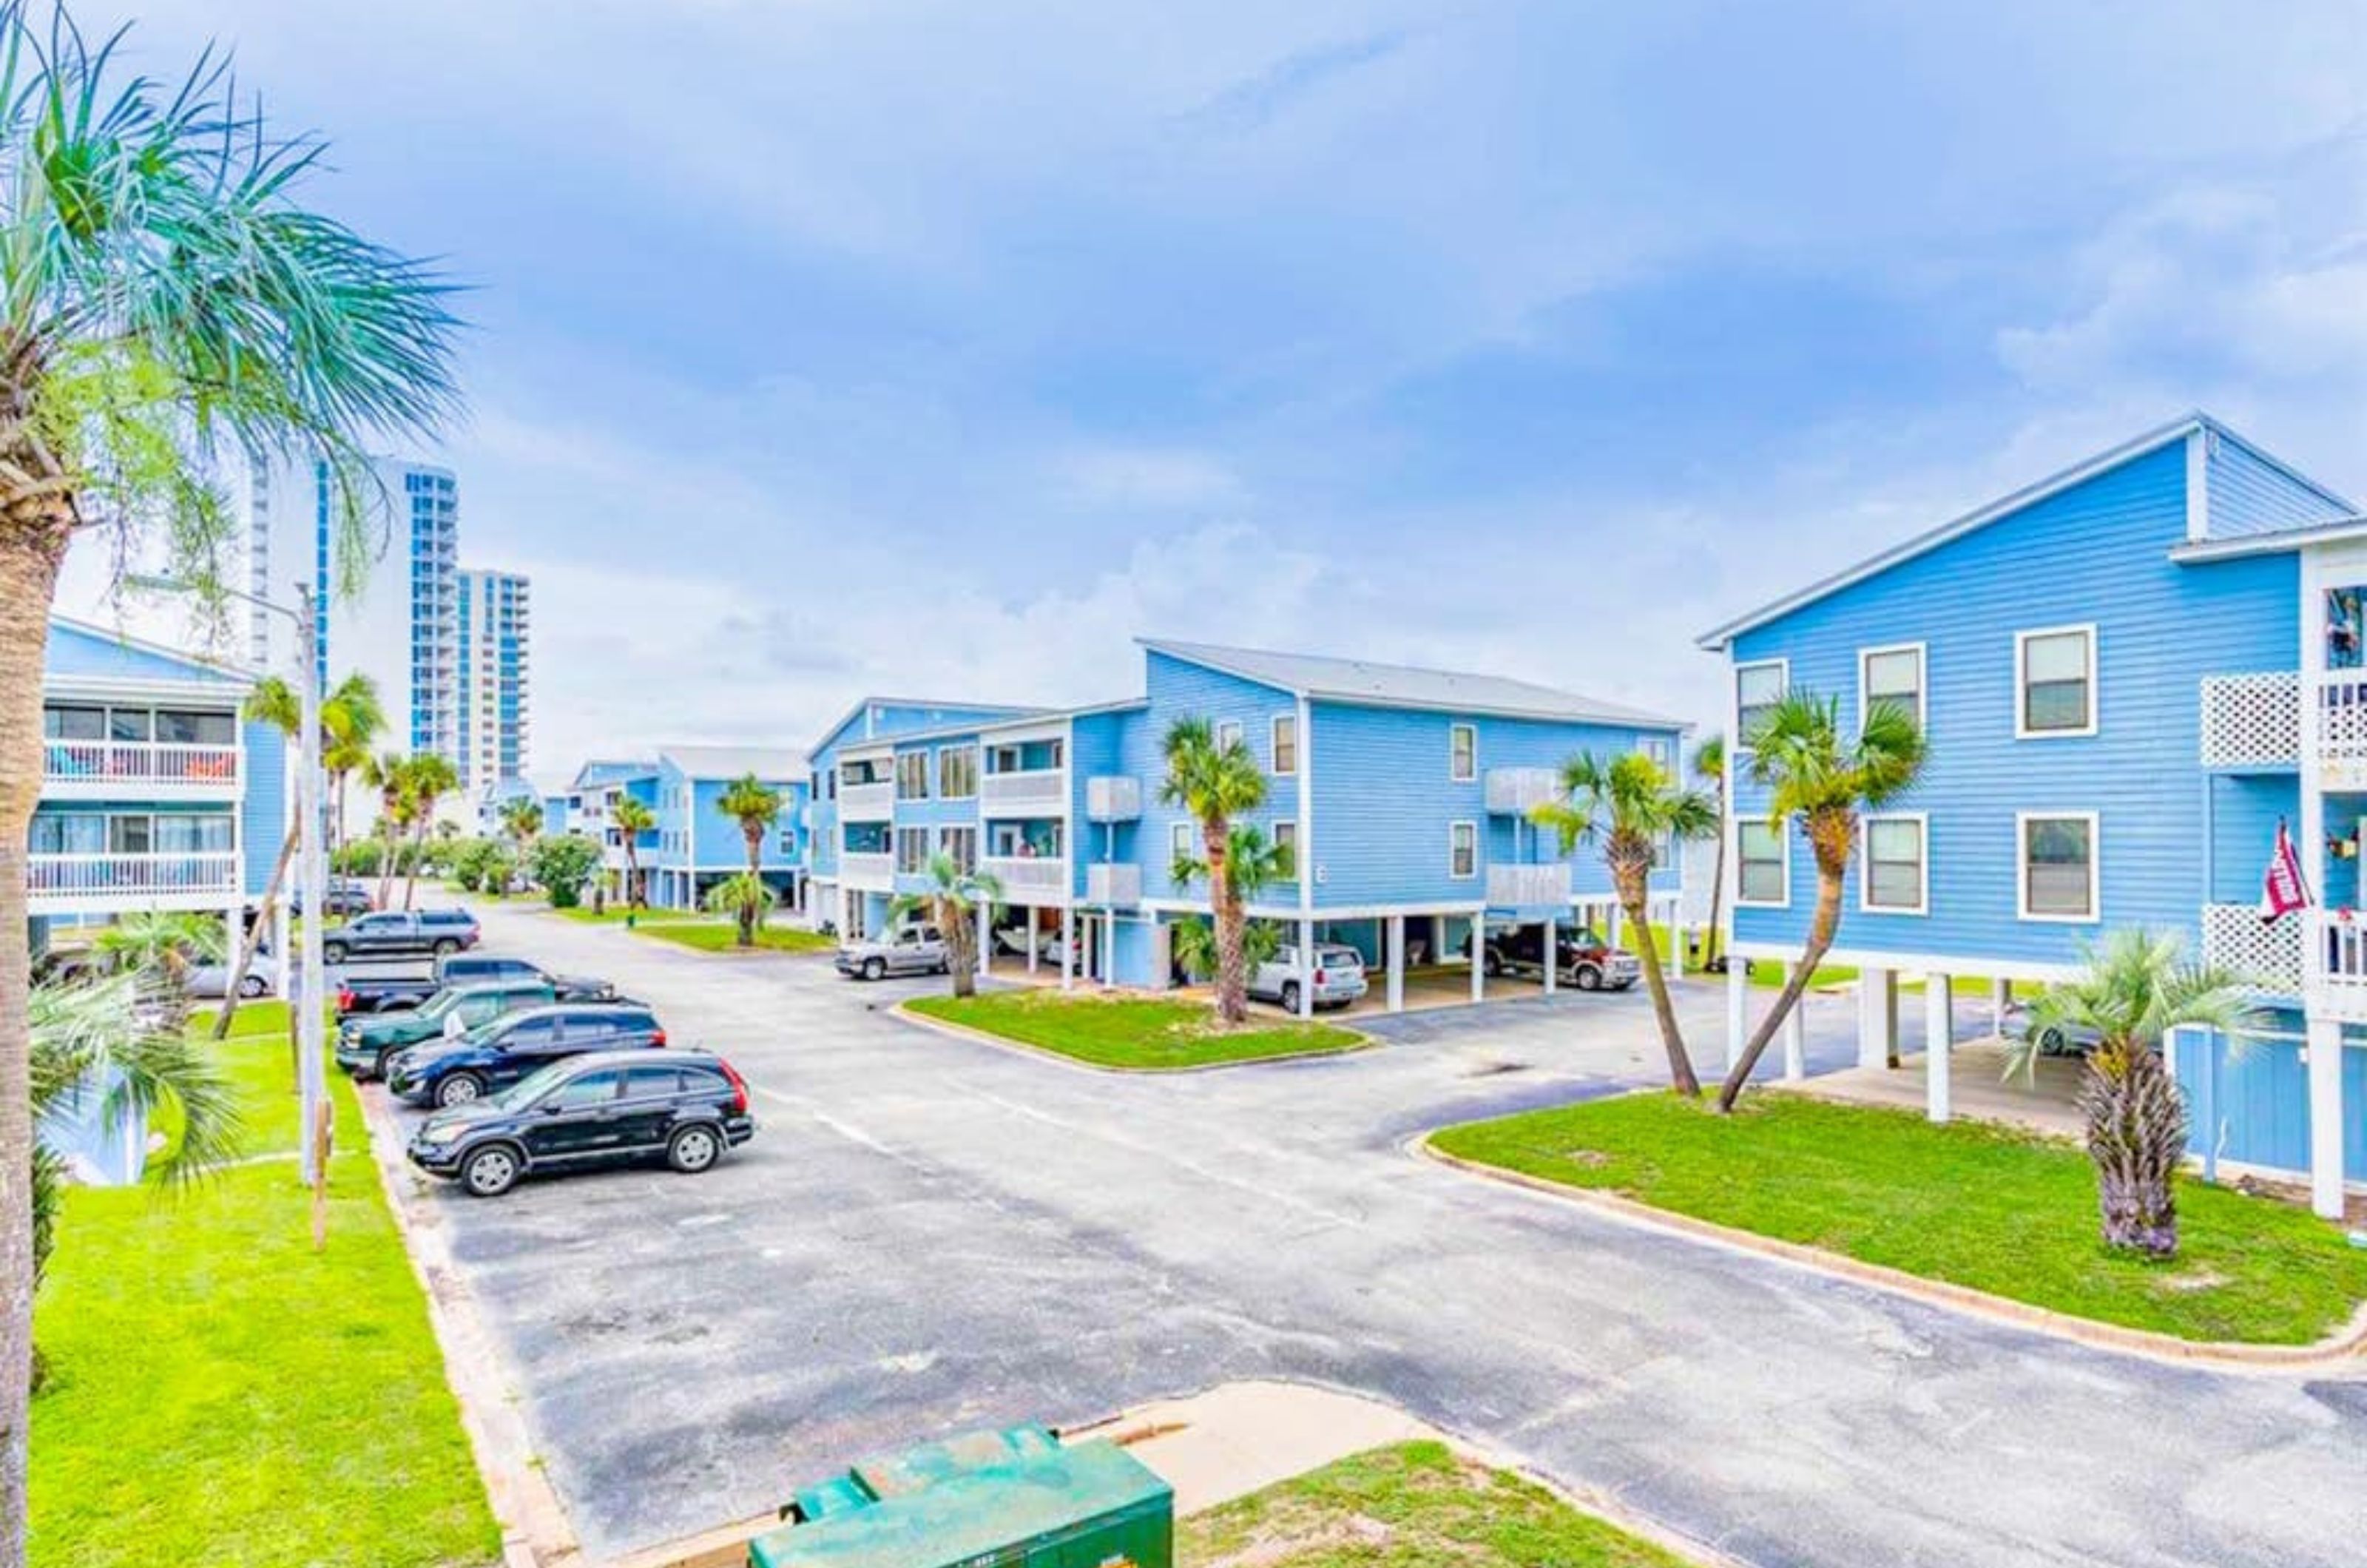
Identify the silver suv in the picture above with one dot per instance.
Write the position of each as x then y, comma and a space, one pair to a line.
916, 950
1339, 976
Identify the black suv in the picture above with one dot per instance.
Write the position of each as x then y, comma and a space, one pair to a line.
612, 1107
497, 1054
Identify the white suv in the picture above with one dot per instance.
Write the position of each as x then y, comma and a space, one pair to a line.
1339, 976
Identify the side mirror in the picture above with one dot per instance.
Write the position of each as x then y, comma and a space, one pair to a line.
549, 1107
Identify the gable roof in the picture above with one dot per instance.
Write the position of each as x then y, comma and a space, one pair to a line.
1373, 685
976, 713
600, 770
79, 650
2005, 506
2334, 530
771, 765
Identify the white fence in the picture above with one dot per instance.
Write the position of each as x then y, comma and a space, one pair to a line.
1041, 791
130, 876
139, 762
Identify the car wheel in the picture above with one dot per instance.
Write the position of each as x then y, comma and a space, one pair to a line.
1290, 997
1491, 965
2050, 1042
1590, 979
694, 1149
445, 945
460, 1088
252, 986
384, 1068
875, 969
333, 951
490, 1172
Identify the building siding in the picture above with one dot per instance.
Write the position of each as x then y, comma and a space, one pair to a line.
2249, 494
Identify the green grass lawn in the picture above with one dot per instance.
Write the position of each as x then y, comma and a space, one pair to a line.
721, 936
1130, 1031
219, 1393
1979, 1204
1414, 1505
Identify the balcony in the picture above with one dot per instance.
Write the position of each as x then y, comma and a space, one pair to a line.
2341, 702
1041, 792
130, 881
1114, 797
2252, 721
1113, 881
1028, 877
874, 873
1513, 791
866, 802
2234, 939
161, 768
1528, 886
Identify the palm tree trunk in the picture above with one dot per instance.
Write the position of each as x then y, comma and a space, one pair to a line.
418, 849
1820, 940
254, 938
749, 910
959, 925
386, 859
2136, 1136
1716, 898
1232, 956
1632, 899
33, 535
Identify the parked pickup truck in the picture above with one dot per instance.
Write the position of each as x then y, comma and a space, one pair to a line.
365, 1045
392, 993
916, 950
390, 933
1581, 958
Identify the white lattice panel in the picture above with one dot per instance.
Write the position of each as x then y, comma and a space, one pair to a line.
2235, 938
2252, 721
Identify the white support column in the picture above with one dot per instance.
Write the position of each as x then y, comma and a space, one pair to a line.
1553, 953
1478, 955
1611, 923
1068, 948
985, 961
1877, 1017
1395, 957
233, 930
1738, 1010
1034, 935
2000, 997
2326, 1050
1939, 1039
1795, 1042
1306, 968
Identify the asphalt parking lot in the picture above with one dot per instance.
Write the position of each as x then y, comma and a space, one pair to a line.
929, 1235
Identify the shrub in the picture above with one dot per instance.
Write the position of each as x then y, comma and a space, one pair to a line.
563, 865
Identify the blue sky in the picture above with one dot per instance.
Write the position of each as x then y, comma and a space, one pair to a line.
832, 345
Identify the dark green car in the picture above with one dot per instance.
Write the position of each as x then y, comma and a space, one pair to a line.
365, 1042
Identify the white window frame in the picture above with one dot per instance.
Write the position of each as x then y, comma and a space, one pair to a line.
1273, 745
1452, 829
945, 751
1661, 748
1734, 692
2022, 640
1229, 734
1783, 858
1180, 844
903, 764
945, 843
896, 848
2095, 821
1922, 652
1472, 730
1285, 835
1923, 905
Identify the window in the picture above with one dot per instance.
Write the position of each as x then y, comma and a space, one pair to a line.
912, 850
2055, 673
1757, 689
584, 1093
912, 775
1285, 839
1893, 879
1462, 752
1229, 734
196, 728
957, 772
960, 844
652, 1083
2058, 867
1285, 744
1662, 750
128, 724
74, 724
788, 841
1182, 841
1462, 846
1763, 865
1891, 675
128, 836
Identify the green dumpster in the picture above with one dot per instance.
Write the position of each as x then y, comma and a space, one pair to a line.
1017, 1498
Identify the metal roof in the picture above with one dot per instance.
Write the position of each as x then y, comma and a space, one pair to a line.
767, 763
1404, 685
2334, 530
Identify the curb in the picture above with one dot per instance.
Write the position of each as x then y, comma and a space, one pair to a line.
2347, 1343
952, 1031
535, 1529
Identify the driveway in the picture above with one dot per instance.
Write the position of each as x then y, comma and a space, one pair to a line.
930, 1234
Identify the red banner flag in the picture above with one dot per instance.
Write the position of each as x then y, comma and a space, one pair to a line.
2283, 891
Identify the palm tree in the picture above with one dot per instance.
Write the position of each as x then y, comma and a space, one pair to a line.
757, 809
952, 902
160, 947
1193, 944
2131, 991
430, 779
744, 897
1215, 782
1631, 805
352, 718
1709, 766
169, 308
521, 820
633, 817
1252, 862
1814, 775
389, 773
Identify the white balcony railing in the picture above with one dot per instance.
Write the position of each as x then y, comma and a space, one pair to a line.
1513, 791
1040, 792
2341, 729
2252, 721
1528, 886
1113, 881
130, 876
1114, 797
864, 869
141, 763
866, 802
1028, 873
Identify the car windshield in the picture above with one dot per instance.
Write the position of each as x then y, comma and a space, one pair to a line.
440, 1005
531, 1087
